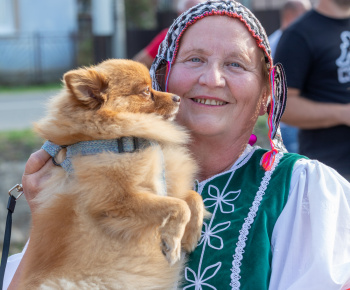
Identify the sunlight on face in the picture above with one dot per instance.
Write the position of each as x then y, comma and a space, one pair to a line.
218, 73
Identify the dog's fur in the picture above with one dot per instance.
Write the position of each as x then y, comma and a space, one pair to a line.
104, 226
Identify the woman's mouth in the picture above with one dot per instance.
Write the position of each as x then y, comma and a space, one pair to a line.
209, 102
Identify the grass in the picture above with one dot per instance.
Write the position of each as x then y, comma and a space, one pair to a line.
17, 145
31, 88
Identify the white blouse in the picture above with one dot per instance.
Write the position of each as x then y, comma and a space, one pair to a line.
311, 238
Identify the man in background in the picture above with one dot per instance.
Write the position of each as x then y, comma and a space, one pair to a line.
315, 52
290, 11
147, 54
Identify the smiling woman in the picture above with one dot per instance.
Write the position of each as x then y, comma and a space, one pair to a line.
271, 227
221, 85
216, 57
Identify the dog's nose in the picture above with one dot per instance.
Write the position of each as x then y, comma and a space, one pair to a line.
176, 99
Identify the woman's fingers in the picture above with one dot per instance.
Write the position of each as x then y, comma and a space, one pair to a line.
36, 171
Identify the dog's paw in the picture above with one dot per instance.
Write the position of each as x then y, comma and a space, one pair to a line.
192, 235
193, 229
171, 249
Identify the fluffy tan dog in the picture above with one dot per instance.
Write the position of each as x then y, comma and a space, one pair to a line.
112, 220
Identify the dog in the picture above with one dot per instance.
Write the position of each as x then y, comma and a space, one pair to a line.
121, 217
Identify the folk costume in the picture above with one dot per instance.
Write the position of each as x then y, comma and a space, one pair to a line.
279, 220
272, 212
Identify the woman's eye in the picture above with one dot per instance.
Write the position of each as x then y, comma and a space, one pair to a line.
235, 64
195, 59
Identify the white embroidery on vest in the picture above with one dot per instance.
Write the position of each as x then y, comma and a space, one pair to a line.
210, 234
243, 233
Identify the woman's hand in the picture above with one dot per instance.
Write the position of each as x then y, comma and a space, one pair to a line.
36, 171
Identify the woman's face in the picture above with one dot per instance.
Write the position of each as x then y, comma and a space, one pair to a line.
219, 76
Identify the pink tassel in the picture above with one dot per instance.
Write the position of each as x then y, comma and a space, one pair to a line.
268, 159
270, 156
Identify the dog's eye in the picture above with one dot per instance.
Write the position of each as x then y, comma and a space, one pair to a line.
147, 92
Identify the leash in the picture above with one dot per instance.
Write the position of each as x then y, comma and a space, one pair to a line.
7, 236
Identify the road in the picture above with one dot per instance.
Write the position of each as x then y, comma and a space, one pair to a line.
19, 110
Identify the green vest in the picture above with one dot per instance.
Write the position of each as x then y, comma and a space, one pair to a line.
234, 251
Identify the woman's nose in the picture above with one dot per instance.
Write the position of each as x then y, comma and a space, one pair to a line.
212, 76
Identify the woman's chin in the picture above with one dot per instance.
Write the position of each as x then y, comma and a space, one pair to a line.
205, 129
204, 124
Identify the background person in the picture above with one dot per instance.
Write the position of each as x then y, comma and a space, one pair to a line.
290, 11
279, 221
315, 54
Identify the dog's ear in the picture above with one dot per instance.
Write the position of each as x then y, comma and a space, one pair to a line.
87, 85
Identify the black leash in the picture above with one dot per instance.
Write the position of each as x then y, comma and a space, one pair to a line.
7, 237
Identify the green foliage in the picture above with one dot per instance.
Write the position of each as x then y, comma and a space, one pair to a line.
85, 54
140, 13
17, 145
261, 131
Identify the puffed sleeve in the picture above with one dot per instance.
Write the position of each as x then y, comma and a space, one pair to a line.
311, 238
11, 267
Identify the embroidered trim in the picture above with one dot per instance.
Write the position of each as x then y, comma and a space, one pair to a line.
243, 233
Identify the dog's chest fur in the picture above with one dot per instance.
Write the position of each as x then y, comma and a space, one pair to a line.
118, 221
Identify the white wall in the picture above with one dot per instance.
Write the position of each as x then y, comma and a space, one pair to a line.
40, 43
47, 15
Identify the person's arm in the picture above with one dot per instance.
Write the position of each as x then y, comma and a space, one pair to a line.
147, 55
306, 114
310, 240
36, 171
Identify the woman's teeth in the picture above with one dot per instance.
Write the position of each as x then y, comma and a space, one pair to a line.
210, 102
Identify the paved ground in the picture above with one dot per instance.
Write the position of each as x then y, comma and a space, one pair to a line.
20, 110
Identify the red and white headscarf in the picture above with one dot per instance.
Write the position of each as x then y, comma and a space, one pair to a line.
168, 49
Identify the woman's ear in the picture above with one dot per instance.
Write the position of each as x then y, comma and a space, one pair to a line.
264, 103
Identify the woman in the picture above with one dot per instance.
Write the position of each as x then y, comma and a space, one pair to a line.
279, 221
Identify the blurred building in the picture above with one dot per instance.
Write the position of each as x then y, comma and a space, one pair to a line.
37, 39
41, 39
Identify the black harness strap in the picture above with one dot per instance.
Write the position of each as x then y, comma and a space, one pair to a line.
136, 143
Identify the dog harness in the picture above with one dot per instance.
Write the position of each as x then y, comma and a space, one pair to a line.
93, 147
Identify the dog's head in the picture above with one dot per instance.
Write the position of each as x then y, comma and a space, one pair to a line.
110, 100
119, 85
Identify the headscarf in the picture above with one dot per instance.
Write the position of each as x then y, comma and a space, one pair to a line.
168, 49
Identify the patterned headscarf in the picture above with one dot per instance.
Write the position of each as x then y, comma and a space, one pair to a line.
168, 49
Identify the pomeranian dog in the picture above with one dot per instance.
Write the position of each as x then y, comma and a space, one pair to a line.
118, 208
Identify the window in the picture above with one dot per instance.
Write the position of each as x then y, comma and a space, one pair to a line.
7, 17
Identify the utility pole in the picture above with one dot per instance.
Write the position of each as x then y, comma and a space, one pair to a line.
119, 37
102, 29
